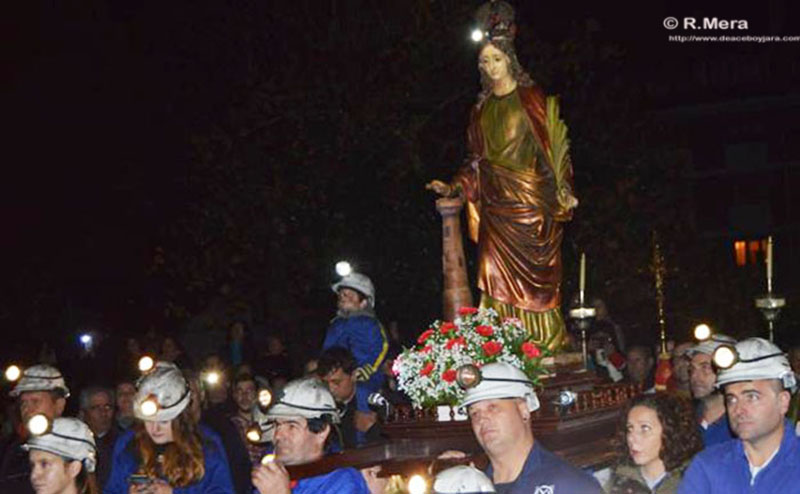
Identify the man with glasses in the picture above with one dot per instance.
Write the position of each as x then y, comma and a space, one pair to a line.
97, 410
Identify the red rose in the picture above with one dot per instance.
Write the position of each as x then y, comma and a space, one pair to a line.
530, 350
492, 348
426, 349
455, 341
424, 336
485, 330
465, 311
427, 369
449, 375
447, 327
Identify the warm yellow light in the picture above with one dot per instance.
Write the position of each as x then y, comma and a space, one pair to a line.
13, 372
38, 424
724, 357
343, 268
264, 397
149, 407
417, 484
702, 332
253, 434
146, 363
267, 459
212, 378
739, 249
476, 35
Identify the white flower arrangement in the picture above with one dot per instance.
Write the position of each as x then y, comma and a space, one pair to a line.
427, 372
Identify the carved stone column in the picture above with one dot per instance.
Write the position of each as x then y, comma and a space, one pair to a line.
456, 288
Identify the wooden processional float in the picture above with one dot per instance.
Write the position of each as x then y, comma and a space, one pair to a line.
577, 419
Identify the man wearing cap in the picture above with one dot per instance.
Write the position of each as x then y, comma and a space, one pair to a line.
304, 417
356, 328
499, 408
40, 390
766, 456
714, 426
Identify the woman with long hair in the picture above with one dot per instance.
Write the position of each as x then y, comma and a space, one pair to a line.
658, 435
63, 459
166, 452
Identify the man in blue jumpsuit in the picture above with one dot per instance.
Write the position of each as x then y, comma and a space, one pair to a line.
499, 408
766, 456
711, 416
304, 417
356, 328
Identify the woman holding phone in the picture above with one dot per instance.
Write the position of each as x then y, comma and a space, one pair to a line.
166, 452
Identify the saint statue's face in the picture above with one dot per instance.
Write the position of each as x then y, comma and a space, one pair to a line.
494, 63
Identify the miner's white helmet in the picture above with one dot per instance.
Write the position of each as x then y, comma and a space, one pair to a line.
462, 480
501, 380
40, 378
308, 398
70, 438
266, 427
161, 394
755, 359
358, 282
708, 346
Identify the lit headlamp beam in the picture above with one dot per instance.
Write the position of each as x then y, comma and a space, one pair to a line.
13, 373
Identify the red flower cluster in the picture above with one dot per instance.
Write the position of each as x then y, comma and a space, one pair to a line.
426, 349
466, 311
492, 348
424, 336
427, 369
530, 350
449, 375
455, 341
447, 326
484, 330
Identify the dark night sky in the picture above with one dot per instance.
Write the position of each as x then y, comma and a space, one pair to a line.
98, 99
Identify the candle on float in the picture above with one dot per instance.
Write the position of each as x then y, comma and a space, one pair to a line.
582, 282
769, 264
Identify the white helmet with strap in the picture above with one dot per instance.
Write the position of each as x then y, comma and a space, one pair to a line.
161, 394
708, 346
756, 359
500, 380
308, 398
41, 378
358, 282
70, 438
462, 480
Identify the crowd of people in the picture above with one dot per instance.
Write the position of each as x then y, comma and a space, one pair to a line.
219, 428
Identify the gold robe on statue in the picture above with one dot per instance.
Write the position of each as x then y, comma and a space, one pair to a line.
515, 213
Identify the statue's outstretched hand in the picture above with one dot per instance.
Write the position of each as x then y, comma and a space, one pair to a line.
441, 188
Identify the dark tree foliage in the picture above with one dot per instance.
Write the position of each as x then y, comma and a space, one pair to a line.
342, 116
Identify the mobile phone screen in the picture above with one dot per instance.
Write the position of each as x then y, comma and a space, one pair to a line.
139, 479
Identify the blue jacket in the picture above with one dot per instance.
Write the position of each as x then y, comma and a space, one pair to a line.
546, 472
341, 481
724, 468
366, 339
717, 432
217, 479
